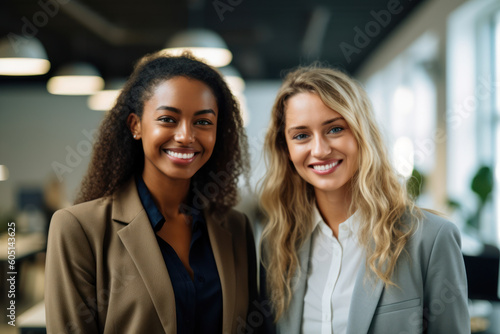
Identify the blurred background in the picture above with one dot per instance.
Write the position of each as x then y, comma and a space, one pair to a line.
431, 68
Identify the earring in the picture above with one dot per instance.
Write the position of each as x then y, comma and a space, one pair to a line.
135, 136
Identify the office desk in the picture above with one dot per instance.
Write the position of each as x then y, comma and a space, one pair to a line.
33, 320
492, 322
26, 247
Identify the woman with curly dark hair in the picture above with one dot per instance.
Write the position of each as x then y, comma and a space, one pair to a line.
153, 244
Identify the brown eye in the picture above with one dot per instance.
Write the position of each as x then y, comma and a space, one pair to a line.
203, 122
166, 120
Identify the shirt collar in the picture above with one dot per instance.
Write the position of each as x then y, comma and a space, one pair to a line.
352, 223
155, 217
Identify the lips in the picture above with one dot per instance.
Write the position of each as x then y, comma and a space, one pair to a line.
325, 167
181, 154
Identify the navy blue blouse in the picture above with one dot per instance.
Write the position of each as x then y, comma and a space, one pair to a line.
198, 301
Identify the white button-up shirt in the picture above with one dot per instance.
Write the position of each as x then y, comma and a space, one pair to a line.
333, 267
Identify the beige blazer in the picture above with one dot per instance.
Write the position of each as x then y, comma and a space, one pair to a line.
105, 272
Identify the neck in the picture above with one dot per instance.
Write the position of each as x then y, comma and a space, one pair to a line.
168, 194
334, 207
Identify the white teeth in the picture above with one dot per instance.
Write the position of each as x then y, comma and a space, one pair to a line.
325, 167
180, 155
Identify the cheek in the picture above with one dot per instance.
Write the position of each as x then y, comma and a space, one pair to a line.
296, 154
208, 140
151, 138
290, 150
156, 133
352, 152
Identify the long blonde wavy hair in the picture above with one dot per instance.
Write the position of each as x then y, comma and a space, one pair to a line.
288, 201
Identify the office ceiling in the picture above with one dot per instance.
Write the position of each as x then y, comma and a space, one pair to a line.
265, 36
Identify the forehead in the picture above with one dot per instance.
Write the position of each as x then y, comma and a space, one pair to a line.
307, 108
190, 93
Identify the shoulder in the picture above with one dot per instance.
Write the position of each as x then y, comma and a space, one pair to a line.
86, 208
235, 221
435, 237
432, 226
81, 218
83, 211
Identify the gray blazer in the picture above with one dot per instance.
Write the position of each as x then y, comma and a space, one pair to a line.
431, 296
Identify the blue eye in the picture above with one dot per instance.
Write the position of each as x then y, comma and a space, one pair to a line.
300, 136
336, 129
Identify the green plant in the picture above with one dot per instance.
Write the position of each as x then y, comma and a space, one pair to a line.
415, 184
482, 186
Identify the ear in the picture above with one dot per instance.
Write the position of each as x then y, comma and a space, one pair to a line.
134, 124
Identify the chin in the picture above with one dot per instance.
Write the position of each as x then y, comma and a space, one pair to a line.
179, 175
327, 187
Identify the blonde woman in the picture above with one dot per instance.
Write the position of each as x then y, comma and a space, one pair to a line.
345, 249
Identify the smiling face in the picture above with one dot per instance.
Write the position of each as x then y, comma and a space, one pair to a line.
320, 144
178, 129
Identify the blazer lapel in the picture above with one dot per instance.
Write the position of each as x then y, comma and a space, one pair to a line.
140, 242
291, 321
221, 240
364, 301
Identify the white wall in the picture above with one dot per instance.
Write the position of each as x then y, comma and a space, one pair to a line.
37, 130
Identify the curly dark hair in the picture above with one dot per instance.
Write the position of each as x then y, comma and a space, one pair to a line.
117, 156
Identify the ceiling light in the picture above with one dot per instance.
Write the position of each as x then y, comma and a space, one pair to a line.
242, 101
23, 56
237, 85
4, 173
203, 44
233, 79
76, 79
105, 99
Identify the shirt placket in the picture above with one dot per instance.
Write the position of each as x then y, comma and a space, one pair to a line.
333, 276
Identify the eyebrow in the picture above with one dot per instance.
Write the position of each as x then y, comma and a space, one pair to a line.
178, 111
302, 127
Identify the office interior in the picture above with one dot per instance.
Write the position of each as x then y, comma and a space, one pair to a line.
430, 67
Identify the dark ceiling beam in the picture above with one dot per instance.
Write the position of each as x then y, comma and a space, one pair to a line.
315, 33
111, 33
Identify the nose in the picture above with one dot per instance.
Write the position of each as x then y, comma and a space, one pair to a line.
184, 134
320, 147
